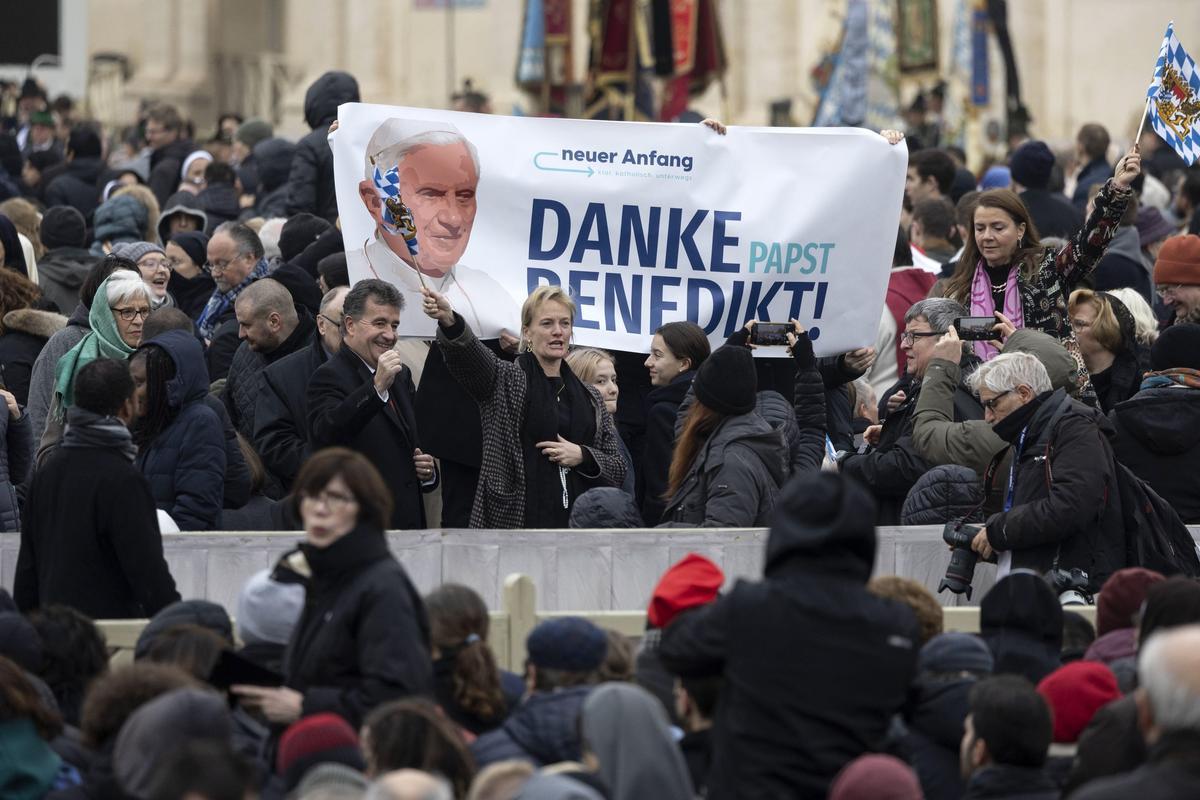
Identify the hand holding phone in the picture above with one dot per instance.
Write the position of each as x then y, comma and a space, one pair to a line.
976, 329
768, 334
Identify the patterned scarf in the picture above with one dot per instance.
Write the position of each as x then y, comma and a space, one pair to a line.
220, 301
983, 304
1180, 376
89, 429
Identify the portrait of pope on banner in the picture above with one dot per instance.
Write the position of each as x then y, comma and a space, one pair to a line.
420, 183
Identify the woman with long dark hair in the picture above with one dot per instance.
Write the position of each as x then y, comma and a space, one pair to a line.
468, 685
547, 437
180, 440
363, 637
676, 352
1005, 270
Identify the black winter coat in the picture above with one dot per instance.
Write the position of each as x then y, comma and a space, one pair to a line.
363, 637
191, 294
165, 166
224, 344
310, 183
544, 730
801, 696
16, 461
26, 332
1006, 782
1172, 772
185, 463
1064, 506
891, 468
1052, 213
1158, 438
281, 412
109, 527
1111, 744
219, 204
237, 474
345, 410
243, 383
662, 405
78, 187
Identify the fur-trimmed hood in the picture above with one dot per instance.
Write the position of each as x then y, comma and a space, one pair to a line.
34, 322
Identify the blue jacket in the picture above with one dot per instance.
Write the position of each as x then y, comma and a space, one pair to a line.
543, 730
185, 464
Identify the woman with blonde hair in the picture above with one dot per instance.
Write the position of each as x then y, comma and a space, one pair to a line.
1144, 320
146, 198
547, 436
598, 368
1107, 337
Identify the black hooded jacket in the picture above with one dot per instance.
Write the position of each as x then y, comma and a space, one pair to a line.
274, 160
310, 183
1158, 438
935, 732
166, 163
814, 664
363, 637
1020, 619
76, 187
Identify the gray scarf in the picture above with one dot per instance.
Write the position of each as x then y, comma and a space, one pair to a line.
88, 429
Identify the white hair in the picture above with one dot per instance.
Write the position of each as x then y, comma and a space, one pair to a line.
269, 234
1163, 667
381, 790
391, 155
1007, 371
125, 284
1144, 320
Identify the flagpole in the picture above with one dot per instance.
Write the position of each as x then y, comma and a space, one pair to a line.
1145, 113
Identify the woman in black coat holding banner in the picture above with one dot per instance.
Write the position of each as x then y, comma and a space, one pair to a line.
547, 436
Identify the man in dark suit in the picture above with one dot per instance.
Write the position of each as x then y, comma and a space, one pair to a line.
363, 398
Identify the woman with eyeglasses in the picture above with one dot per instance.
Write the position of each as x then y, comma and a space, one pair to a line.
363, 637
1107, 336
118, 311
180, 440
154, 267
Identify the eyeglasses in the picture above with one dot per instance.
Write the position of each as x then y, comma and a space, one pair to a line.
1080, 324
334, 501
130, 314
330, 320
221, 264
1170, 288
907, 338
990, 405
157, 264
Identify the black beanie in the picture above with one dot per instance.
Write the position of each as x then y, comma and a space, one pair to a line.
299, 232
195, 244
1177, 347
63, 226
1031, 165
823, 517
727, 382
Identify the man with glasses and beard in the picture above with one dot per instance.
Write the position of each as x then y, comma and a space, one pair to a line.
235, 260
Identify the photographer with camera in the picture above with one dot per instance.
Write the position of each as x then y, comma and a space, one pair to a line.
1057, 512
891, 467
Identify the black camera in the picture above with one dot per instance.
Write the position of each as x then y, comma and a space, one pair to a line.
961, 569
1071, 586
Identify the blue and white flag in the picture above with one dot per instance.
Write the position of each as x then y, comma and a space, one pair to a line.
1174, 97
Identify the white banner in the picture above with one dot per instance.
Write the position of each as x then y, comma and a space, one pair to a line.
646, 223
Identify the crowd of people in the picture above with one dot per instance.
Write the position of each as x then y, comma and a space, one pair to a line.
180, 312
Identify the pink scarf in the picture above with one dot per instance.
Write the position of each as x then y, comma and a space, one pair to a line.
983, 305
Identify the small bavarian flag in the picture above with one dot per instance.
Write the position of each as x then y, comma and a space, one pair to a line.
1174, 98
397, 218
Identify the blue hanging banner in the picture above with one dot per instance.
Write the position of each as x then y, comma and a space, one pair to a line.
980, 25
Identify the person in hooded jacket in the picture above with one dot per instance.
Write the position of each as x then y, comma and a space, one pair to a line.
947, 667
181, 446
1158, 429
77, 185
1107, 337
1059, 511
181, 214
274, 160
219, 198
1020, 619
893, 464
729, 462
118, 220
676, 353
363, 636
973, 444
65, 264
785, 725
310, 182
